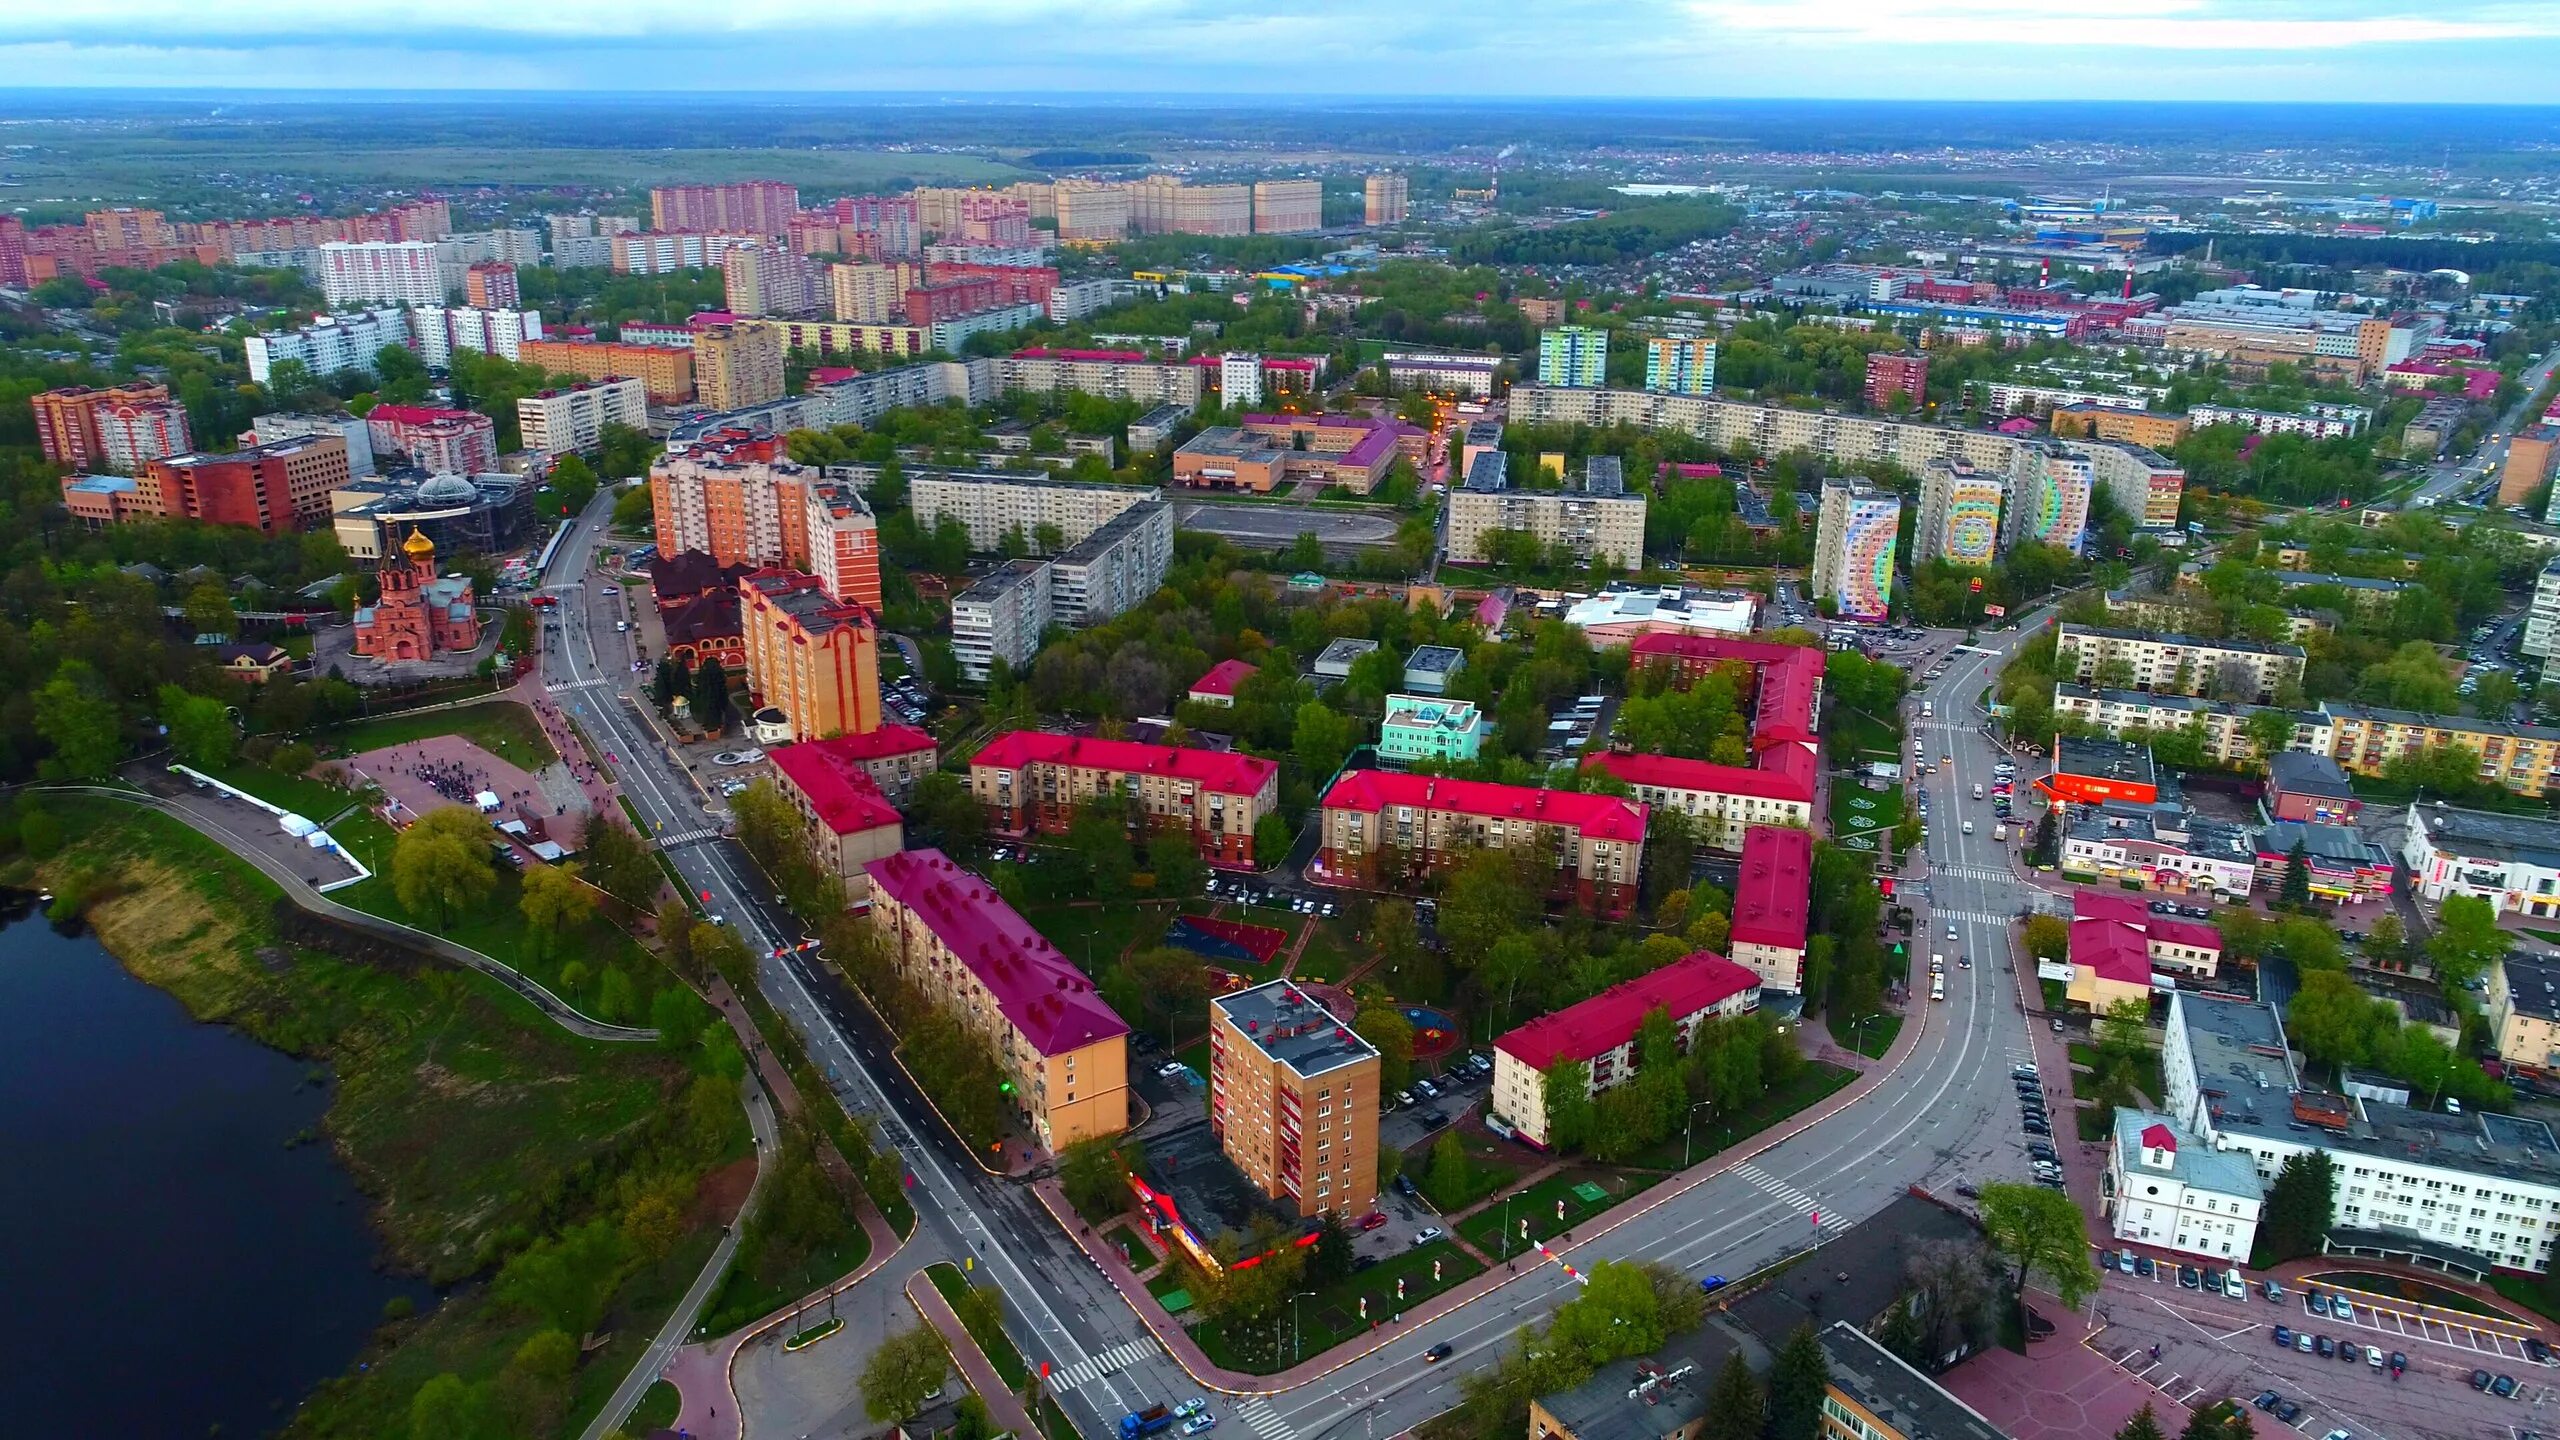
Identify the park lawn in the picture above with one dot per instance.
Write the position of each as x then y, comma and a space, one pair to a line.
1132, 1247
1331, 953
504, 728
1537, 1206
656, 1410
466, 1116
1856, 737
2095, 1122
1096, 936
1490, 1163
312, 799
1871, 1037
1858, 828
998, 1346
1330, 1314
497, 928
1810, 1086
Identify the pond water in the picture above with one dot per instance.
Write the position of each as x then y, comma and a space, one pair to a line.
171, 1264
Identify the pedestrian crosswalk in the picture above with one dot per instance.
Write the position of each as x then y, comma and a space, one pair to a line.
1256, 1412
1793, 1197
1976, 917
1094, 1367
672, 839
559, 686
1984, 873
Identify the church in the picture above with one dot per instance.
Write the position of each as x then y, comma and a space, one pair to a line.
421, 614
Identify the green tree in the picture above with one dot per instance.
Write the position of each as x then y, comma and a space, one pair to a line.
1799, 1378
1322, 739
2270, 731
903, 1373
2295, 891
75, 714
2387, 942
1098, 839
555, 901
1566, 1087
2145, 1425
200, 728
1176, 864
2221, 1420
1490, 895
1737, 1408
618, 860
1271, 837
2041, 1231
2335, 1022
531, 1393
667, 682
2467, 940
1449, 1178
710, 694
572, 483
633, 510
209, 611
444, 1407
2299, 1208
443, 863
1382, 1023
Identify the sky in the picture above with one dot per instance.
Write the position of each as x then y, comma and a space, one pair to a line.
2452, 51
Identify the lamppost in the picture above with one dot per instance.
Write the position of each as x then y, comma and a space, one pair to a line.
1689, 1132
1858, 1032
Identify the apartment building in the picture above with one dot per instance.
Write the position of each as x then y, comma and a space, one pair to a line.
1600, 1033
1771, 901
1890, 374
1474, 375
131, 434
665, 372
1091, 212
1031, 782
1596, 519
1854, 537
730, 498
1065, 1052
492, 285
1118, 374
2511, 861
2480, 1191
2148, 428
275, 489
2118, 945
1573, 356
1680, 365
328, 345
1386, 200
2524, 1011
1427, 728
667, 252
2223, 726
2531, 453
1294, 1099
2049, 504
556, 422
811, 656
1725, 801
845, 819
1287, 207
1387, 830
357, 433
436, 332
2171, 1189
1959, 515
1113, 569
380, 272
1169, 205
737, 366
871, 294
2542, 623
2523, 758
2177, 664
996, 506
437, 440
2317, 421
754, 207
67, 428
1001, 616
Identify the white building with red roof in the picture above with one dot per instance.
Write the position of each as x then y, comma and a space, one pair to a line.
1218, 687
2118, 944
849, 822
1032, 782
1770, 903
2170, 1189
1387, 831
1601, 1032
1780, 784
894, 756
1063, 1049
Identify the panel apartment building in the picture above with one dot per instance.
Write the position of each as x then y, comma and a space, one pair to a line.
731, 500
2225, 726
572, 418
993, 505
1724, 802
2177, 664
1387, 830
1293, 1099
1064, 1050
1600, 1033
665, 372
1959, 515
1597, 519
1855, 535
1031, 782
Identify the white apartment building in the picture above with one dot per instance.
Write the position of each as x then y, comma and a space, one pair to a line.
132, 435
2172, 1190
2511, 861
556, 422
993, 506
441, 331
2542, 627
1596, 520
1115, 568
663, 252
2479, 1189
1001, 617
380, 272
329, 344
2177, 664
1075, 299
2320, 422
1239, 378
1150, 382
350, 428
2225, 726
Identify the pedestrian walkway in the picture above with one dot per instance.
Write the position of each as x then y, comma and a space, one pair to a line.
1004, 1408
1094, 1367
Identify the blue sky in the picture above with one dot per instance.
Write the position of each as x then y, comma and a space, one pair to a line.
2492, 51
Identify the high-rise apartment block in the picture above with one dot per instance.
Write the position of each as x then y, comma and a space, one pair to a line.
871, 294
767, 277
1595, 518
329, 344
358, 435
436, 331
1853, 547
1092, 211
1890, 374
666, 252
1293, 1099
1287, 207
753, 207
556, 422
133, 433
379, 272
492, 285
1169, 205
67, 426
1679, 365
998, 507
665, 371
1575, 356
811, 656
438, 441
1385, 200
1959, 515
735, 366
1000, 617
889, 224
735, 500
1239, 379
2049, 505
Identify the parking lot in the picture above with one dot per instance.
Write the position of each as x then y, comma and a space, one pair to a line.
2210, 1346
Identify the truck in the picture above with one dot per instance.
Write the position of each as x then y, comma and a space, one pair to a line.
1138, 1424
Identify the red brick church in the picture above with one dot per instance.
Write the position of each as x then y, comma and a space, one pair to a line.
421, 613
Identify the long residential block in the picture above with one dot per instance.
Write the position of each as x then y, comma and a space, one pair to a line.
1388, 830
1032, 782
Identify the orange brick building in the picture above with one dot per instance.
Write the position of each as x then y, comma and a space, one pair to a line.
67, 425
815, 659
665, 371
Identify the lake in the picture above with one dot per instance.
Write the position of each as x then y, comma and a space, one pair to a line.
171, 1266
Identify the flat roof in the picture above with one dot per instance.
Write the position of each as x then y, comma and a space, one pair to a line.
1440, 659
2159, 637
2485, 835
1888, 1388
2192, 1161
2342, 843
1288, 1025
2107, 759
2533, 984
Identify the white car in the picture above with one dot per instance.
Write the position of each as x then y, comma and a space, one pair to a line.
1427, 1234
1171, 1068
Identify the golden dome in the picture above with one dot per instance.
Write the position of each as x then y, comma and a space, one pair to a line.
418, 546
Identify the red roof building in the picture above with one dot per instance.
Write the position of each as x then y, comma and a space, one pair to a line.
1031, 782
2117, 944
1778, 787
1601, 1032
894, 756
1770, 903
952, 935
1218, 687
849, 822
1384, 829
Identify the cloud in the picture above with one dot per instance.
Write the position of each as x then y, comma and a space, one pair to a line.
2200, 25
442, 22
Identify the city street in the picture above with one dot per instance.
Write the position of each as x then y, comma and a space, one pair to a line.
2444, 481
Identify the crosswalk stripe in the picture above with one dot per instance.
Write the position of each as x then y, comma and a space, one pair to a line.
1266, 1422
1094, 1367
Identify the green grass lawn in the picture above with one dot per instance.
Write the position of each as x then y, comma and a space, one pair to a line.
2550, 936
1132, 1245
1536, 1207
1855, 736
497, 928
1490, 1164
1331, 1314
1872, 1038
657, 1409
501, 727
1860, 829
2056, 994
314, 800
1095, 935
998, 1346
1810, 1086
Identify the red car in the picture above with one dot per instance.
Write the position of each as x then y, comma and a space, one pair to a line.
1373, 1219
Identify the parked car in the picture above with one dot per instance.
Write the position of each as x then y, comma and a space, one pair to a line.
2536, 1351
1427, 1234
2268, 1400
2348, 1352
2324, 1346
2503, 1387
2480, 1379
2341, 1307
2143, 1267
2288, 1412
2284, 1337
1373, 1220
2190, 1278
2316, 1303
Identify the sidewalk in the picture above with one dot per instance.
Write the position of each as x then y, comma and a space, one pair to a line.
1195, 1362
1004, 1407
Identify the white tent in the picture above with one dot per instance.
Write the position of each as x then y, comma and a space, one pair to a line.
296, 825
486, 799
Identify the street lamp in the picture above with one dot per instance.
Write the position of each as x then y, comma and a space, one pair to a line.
1689, 1132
